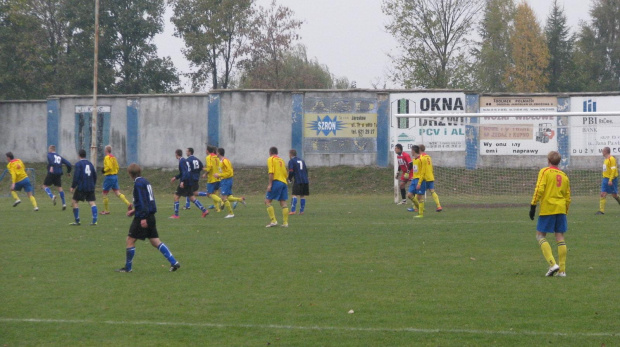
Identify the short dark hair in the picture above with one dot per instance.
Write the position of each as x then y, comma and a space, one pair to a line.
190, 150
422, 148
82, 153
211, 149
273, 150
293, 152
179, 152
415, 149
10, 155
399, 146
221, 151
134, 170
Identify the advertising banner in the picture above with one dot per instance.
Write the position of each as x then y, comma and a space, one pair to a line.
591, 133
535, 135
340, 125
436, 133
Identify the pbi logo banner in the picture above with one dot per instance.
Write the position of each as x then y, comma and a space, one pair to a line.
322, 125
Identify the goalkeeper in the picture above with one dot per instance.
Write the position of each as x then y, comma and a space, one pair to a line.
553, 193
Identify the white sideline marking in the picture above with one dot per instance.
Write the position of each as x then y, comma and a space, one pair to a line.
318, 328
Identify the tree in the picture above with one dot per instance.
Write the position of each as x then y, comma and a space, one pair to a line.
493, 54
560, 44
433, 38
597, 53
529, 53
214, 32
273, 32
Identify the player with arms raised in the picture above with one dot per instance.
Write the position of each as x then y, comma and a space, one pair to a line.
609, 185
403, 175
553, 193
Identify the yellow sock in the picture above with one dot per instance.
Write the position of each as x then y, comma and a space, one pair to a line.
602, 205
562, 250
546, 250
123, 199
416, 204
233, 199
106, 203
216, 202
421, 208
272, 214
33, 201
436, 199
285, 215
228, 207
14, 195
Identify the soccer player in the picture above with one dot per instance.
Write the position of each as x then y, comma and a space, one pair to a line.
19, 180
226, 182
143, 225
110, 171
83, 187
186, 186
298, 174
402, 174
609, 185
417, 188
213, 183
553, 193
54, 174
429, 177
277, 188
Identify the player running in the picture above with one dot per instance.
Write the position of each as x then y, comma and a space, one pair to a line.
54, 175
110, 172
19, 180
187, 184
225, 176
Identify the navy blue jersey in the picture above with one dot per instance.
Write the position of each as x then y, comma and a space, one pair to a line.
195, 167
184, 172
297, 170
143, 198
84, 176
55, 161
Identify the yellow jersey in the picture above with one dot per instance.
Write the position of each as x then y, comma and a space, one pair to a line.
110, 165
17, 169
552, 191
428, 167
276, 167
226, 169
416, 168
610, 170
212, 167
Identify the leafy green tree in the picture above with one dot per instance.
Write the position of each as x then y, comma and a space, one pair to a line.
214, 32
433, 36
493, 53
560, 44
529, 53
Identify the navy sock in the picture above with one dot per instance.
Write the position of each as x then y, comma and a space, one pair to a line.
62, 197
131, 251
199, 205
302, 205
187, 202
293, 204
202, 193
76, 214
166, 252
94, 211
49, 192
176, 208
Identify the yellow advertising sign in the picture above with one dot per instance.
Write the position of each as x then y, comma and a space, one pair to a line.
336, 125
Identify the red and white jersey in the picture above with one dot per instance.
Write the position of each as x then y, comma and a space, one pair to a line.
404, 159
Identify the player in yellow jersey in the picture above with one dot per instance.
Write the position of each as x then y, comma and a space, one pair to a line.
213, 183
277, 188
609, 185
19, 180
110, 171
417, 189
553, 194
429, 177
226, 182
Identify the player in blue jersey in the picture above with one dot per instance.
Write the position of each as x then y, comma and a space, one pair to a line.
54, 174
187, 185
83, 187
143, 225
298, 174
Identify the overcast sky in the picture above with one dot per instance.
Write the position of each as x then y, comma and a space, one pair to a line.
349, 36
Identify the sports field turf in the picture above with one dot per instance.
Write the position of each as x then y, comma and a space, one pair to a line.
463, 277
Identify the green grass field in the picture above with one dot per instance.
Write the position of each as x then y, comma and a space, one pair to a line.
464, 277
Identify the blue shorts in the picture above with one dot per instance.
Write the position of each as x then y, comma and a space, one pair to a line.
553, 223
430, 185
279, 191
24, 184
110, 182
413, 186
609, 189
212, 187
226, 186
414, 183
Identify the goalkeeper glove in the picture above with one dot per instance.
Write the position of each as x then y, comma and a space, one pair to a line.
532, 211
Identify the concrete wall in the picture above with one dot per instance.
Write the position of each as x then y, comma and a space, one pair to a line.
23, 130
